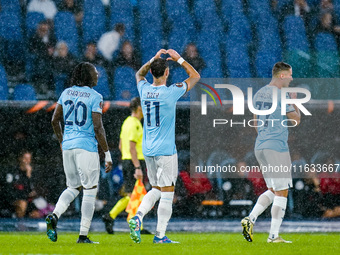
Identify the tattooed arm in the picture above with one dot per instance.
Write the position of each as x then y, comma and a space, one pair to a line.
143, 71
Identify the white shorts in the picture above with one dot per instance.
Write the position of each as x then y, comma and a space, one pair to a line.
276, 168
162, 170
81, 168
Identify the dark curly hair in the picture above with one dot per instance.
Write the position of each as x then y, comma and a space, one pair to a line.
81, 75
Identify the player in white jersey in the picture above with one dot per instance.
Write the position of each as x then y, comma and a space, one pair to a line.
81, 109
159, 109
271, 150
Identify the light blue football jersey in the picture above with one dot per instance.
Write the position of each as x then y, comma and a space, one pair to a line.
159, 110
78, 104
272, 135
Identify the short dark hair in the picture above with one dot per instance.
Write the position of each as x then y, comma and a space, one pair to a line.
280, 66
120, 28
134, 104
158, 67
81, 75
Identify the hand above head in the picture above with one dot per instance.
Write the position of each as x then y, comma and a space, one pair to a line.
174, 56
159, 53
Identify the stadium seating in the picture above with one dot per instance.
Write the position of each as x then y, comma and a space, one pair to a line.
150, 14
10, 31
125, 84
237, 59
264, 62
10, 6
3, 84
297, 52
152, 42
12, 39
269, 49
103, 83
300, 62
295, 33
32, 21
122, 12
178, 14
93, 21
239, 30
327, 55
59, 83
24, 92
178, 39
259, 10
66, 30
182, 29
209, 48
230, 9
336, 4
325, 42
205, 12
151, 36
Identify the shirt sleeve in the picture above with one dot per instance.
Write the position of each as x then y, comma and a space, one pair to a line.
133, 133
60, 100
97, 105
140, 86
179, 89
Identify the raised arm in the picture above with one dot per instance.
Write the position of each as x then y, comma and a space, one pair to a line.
101, 138
56, 122
194, 76
143, 71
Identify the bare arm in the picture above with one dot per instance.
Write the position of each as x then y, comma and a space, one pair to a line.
296, 115
255, 122
194, 76
120, 145
143, 71
101, 137
56, 122
138, 172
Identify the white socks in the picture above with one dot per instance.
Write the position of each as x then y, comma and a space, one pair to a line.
164, 208
87, 209
164, 213
148, 202
64, 201
262, 203
278, 212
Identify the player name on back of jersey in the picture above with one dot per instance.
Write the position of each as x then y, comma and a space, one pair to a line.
152, 95
78, 93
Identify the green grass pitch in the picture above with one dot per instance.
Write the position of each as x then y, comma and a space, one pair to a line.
190, 243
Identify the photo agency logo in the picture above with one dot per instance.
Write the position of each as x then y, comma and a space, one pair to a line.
269, 105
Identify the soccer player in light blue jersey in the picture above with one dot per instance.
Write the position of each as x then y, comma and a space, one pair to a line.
81, 109
271, 150
159, 109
